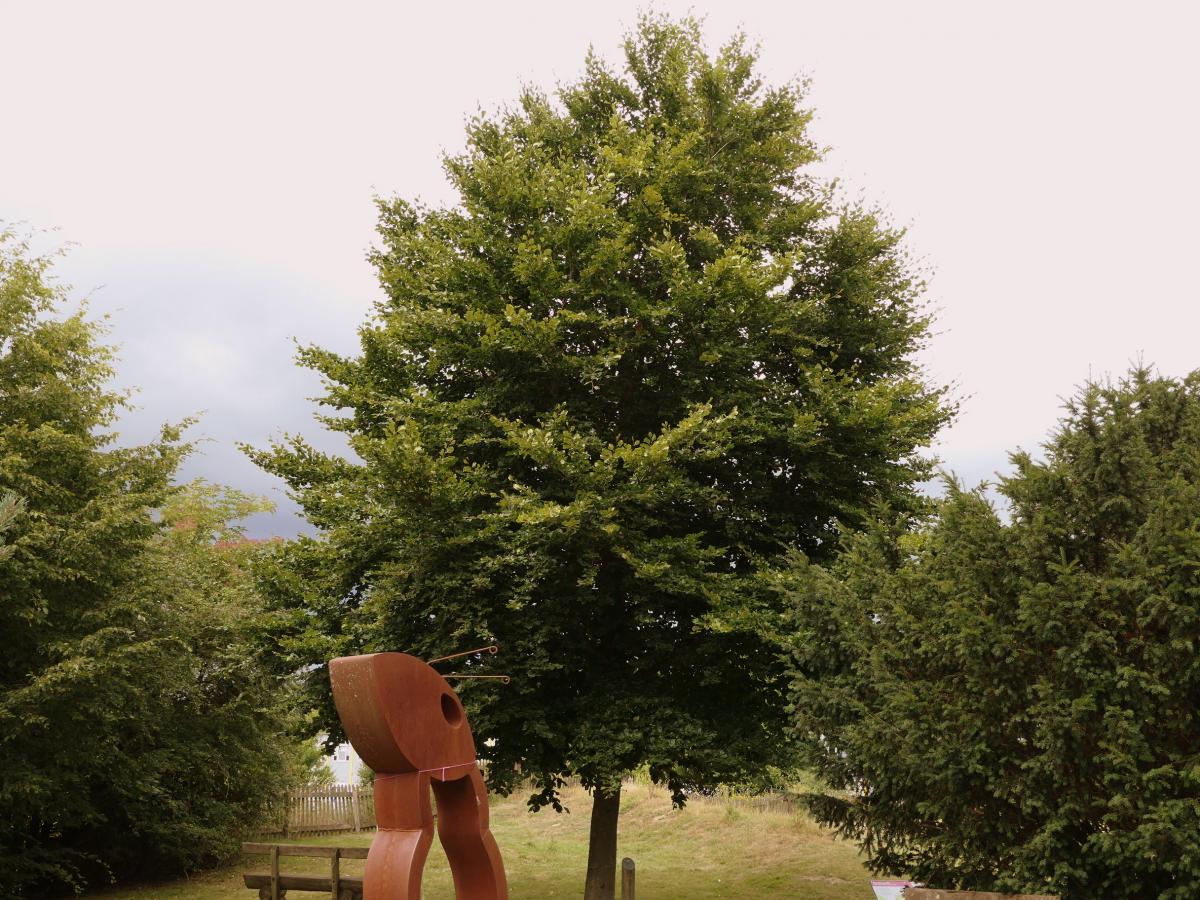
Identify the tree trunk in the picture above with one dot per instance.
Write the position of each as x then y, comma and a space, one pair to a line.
602, 846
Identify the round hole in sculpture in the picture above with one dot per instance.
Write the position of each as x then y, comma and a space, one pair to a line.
451, 710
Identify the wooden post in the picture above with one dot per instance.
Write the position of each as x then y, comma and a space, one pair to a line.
336, 875
354, 805
287, 806
627, 879
275, 872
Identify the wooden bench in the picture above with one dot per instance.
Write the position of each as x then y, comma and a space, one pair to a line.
274, 886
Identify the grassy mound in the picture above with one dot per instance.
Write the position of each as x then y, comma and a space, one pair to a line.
711, 849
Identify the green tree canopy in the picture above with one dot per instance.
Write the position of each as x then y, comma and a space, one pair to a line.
138, 734
645, 354
1010, 702
10, 507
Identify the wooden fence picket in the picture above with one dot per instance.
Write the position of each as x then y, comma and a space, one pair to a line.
321, 810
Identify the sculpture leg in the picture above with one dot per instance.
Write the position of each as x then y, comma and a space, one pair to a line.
397, 856
463, 830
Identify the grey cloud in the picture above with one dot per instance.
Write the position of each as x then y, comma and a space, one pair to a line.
213, 337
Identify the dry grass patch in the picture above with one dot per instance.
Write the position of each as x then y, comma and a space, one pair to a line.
709, 850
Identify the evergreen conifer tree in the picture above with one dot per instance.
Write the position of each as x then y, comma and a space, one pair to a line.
1009, 703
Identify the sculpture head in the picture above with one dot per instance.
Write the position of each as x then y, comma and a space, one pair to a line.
400, 714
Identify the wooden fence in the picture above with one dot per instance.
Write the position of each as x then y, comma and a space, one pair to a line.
330, 810
322, 810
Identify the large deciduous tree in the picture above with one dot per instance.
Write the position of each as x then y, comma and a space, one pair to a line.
647, 353
1010, 702
138, 734
10, 507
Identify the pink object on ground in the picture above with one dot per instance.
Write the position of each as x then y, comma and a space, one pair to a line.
891, 890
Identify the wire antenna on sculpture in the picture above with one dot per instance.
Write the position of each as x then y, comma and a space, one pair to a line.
490, 648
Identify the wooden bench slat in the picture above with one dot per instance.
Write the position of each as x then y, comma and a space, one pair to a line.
275, 884
308, 850
301, 882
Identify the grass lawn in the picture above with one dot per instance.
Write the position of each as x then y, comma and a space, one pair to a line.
703, 852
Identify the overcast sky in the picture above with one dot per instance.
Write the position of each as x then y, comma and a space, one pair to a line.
214, 163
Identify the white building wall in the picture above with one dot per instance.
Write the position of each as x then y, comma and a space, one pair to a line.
344, 763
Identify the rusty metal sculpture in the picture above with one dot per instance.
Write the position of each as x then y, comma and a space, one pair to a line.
409, 726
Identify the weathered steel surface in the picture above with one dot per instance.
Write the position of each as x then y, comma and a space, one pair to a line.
408, 725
